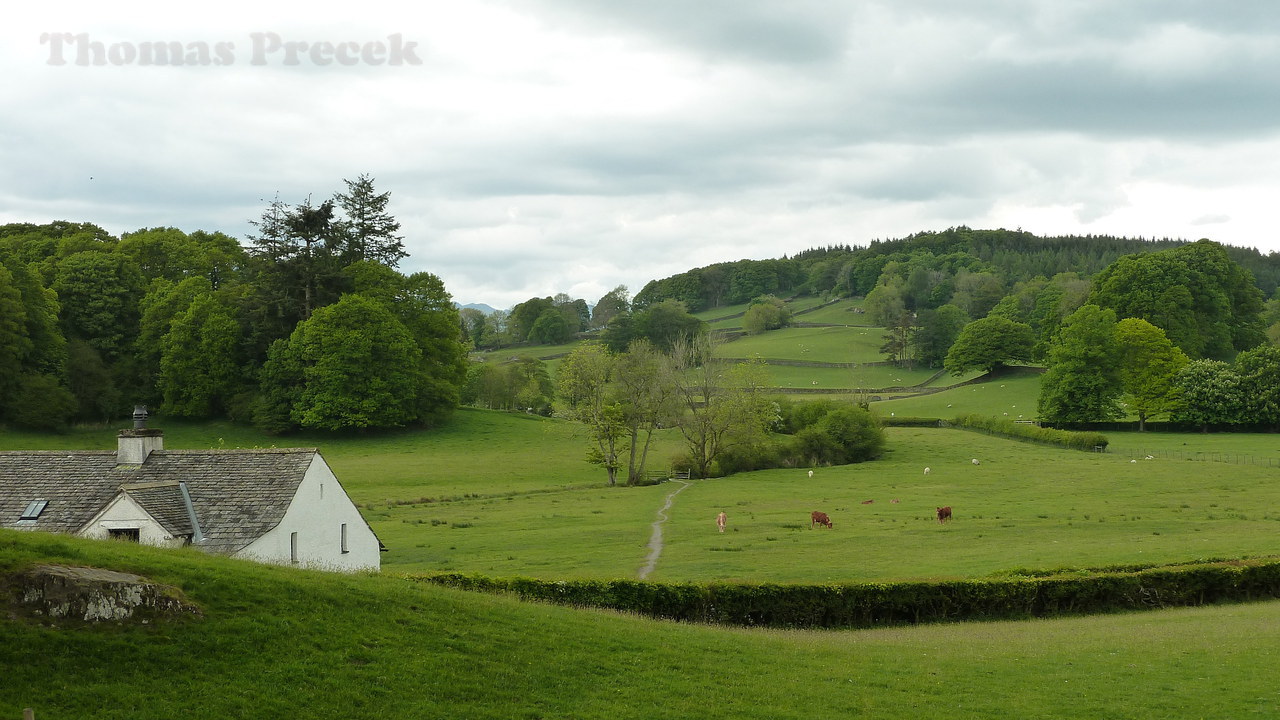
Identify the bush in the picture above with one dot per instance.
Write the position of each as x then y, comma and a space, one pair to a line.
744, 458
852, 605
1090, 441
895, 421
841, 436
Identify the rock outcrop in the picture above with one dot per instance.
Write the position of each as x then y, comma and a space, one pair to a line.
58, 592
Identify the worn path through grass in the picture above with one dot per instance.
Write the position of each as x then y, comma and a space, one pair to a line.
655, 538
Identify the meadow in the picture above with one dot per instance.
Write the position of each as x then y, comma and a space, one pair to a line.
509, 494
279, 642
821, 344
1023, 506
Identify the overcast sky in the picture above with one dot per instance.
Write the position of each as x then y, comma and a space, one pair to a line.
571, 146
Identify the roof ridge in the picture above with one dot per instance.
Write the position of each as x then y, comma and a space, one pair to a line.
192, 451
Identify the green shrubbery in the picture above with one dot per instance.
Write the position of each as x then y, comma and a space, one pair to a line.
821, 432
879, 604
895, 421
1008, 428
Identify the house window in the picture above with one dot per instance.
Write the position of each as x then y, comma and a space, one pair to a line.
344, 538
34, 508
129, 534
293, 547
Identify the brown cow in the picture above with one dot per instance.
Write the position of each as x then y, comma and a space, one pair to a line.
819, 518
867, 502
944, 514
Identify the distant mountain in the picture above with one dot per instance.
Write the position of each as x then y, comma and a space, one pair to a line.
478, 306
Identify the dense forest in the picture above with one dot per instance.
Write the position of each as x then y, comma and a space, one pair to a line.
308, 324
1009, 257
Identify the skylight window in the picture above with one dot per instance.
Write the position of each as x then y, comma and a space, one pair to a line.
34, 508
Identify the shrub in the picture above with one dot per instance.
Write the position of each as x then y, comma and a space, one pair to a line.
842, 605
1003, 426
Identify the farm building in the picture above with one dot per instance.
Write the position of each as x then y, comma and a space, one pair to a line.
277, 506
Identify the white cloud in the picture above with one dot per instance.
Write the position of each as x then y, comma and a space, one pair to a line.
561, 145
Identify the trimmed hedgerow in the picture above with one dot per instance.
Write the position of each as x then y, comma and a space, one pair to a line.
1091, 441
861, 605
895, 421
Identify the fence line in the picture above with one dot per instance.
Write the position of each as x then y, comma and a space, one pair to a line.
1202, 456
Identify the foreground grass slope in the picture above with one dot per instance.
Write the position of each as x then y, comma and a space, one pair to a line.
277, 642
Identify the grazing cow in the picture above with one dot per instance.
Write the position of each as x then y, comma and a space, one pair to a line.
944, 514
819, 518
721, 519
926, 471
867, 502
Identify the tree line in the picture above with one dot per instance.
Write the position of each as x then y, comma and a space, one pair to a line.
308, 325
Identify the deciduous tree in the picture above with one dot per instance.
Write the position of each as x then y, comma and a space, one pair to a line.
987, 344
1209, 393
199, 367
1148, 362
584, 381
352, 365
1259, 372
1082, 381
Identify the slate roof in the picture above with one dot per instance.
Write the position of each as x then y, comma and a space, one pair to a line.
164, 503
238, 495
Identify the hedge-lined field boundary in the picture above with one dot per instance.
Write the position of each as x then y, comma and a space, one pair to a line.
865, 605
1077, 440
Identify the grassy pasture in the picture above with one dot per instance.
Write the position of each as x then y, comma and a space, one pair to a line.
278, 642
1024, 506
711, 315
524, 501
1225, 447
804, 302
1013, 394
864, 376
838, 313
827, 344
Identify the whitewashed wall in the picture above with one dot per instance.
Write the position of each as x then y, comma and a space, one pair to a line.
319, 509
123, 513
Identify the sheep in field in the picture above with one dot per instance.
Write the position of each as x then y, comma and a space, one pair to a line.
975, 461
926, 471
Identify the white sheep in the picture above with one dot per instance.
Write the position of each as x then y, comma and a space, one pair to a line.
810, 473
975, 461
926, 471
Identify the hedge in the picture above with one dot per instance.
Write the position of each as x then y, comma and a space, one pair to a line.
864, 605
1091, 441
895, 421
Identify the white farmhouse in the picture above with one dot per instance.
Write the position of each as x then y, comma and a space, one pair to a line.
278, 506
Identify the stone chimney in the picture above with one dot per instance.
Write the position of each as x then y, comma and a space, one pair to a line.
136, 444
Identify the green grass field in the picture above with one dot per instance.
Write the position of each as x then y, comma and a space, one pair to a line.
839, 313
863, 377
1013, 395
279, 642
505, 494
828, 344
1023, 506
511, 495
